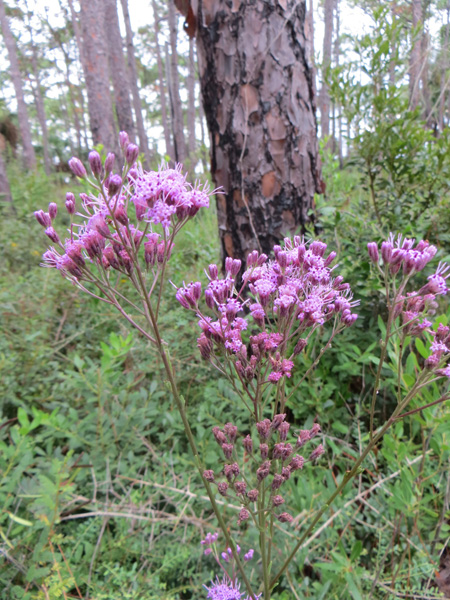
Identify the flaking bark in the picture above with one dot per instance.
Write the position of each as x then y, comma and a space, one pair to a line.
258, 99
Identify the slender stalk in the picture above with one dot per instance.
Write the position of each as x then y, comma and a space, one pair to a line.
348, 477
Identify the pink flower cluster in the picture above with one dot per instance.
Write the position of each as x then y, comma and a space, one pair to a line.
287, 299
105, 233
273, 458
398, 253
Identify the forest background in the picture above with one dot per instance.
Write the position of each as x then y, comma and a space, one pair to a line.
99, 498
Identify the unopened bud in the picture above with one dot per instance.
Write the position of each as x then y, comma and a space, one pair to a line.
70, 203
43, 218
208, 475
131, 153
95, 163
77, 167
124, 140
52, 210
114, 184
109, 163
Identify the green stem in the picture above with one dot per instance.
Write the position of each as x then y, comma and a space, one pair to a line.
348, 477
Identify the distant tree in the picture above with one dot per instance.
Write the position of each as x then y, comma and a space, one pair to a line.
174, 88
258, 98
162, 87
324, 98
5, 190
133, 82
29, 157
95, 58
37, 92
118, 68
415, 61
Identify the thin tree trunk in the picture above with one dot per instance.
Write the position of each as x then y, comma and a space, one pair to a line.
415, 62
29, 157
444, 65
133, 79
118, 68
337, 50
5, 190
393, 62
191, 103
424, 75
259, 103
39, 101
162, 90
101, 116
309, 35
177, 110
324, 99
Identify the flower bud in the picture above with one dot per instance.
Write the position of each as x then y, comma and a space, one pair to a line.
70, 203
244, 515
240, 487
51, 233
296, 463
277, 482
227, 450
372, 248
124, 140
277, 500
230, 431
219, 435
208, 475
317, 452
222, 488
249, 555
283, 431
285, 518
43, 218
277, 420
248, 444
263, 471
109, 163
252, 495
77, 167
114, 184
131, 153
264, 451
52, 210
95, 163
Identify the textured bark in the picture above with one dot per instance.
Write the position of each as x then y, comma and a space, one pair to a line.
29, 157
5, 190
191, 103
415, 61
177, 110
101, 116
324, 99
259, 103
39, 101
337, 51
133, 80
162, 87
309, 35
118, 68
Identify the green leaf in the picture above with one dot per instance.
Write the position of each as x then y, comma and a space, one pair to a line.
20, 521
421, 348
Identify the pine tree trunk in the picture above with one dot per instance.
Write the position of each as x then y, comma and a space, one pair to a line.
337, 50
258, 99
191, 103
133, 80
415, 61
324, 98
95, 54
424, 75
118, 68
29, 157
177, 110
162, 89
